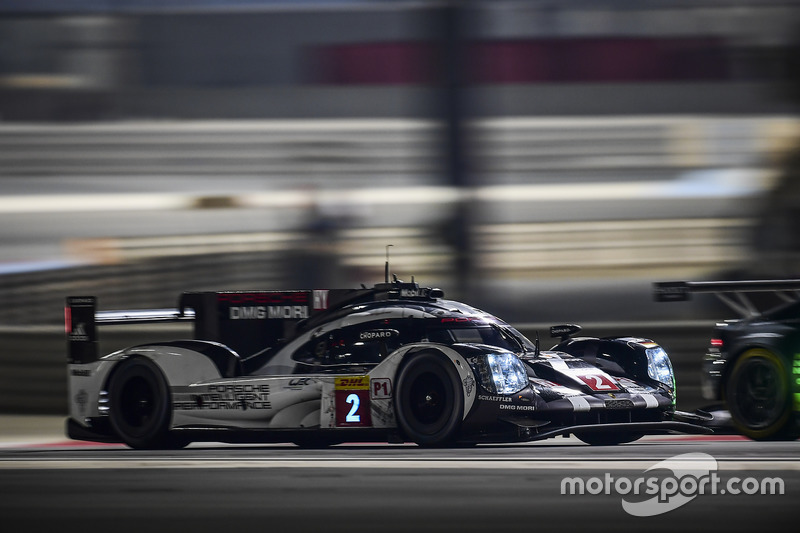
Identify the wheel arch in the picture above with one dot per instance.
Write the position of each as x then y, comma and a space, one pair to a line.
130, 427
178, 364
469, 384
446, 428
187, 362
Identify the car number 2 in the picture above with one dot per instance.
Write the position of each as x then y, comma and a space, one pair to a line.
353, 415
598, 382
353, 408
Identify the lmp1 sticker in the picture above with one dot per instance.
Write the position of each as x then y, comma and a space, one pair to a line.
380, 389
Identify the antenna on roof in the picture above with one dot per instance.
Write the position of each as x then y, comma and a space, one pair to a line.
386, 267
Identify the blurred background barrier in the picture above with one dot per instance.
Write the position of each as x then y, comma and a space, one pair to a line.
163, 208
383, 152
282, 153
545, 161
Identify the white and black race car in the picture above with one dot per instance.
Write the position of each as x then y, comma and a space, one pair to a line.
393, 363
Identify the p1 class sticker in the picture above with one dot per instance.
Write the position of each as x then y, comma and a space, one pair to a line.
380, 389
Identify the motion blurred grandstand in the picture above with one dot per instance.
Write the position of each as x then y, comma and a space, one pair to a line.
531, 108
546, 160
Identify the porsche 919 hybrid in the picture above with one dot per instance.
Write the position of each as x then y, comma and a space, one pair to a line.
393, 363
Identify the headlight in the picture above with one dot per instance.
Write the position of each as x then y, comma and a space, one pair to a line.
659, 368
502, 373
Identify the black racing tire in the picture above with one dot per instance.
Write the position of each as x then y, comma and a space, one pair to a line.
141, 407
429, 401
758, 395
609, 439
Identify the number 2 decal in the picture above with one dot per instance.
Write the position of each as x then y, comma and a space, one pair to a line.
352, 402
352, 416
598, 382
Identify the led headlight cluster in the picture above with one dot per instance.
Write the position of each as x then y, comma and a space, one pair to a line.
658, 366
502, 373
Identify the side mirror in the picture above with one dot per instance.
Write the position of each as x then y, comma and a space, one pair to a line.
565, 331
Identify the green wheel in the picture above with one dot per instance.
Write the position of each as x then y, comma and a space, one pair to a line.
758, 395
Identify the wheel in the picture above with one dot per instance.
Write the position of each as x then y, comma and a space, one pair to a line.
140, 404
429, 402
609, 439
758, 396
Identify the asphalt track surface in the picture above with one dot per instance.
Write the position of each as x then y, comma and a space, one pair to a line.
67, 486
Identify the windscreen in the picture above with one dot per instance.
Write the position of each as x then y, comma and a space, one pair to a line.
504, 337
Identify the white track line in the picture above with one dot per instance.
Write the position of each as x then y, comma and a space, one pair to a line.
480, 463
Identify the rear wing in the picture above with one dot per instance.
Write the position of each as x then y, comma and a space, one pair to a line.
246, 322
81, 319
732, 293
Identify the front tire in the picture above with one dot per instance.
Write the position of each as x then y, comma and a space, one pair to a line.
141, 408
430, 401
758, 396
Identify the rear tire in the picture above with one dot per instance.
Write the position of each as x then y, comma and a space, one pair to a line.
141, 407
430, 401
759, 397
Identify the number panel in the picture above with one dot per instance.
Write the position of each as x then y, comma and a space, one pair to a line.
352, 402
352, 408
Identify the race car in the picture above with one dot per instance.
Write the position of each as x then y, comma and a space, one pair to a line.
752, 364
393, 363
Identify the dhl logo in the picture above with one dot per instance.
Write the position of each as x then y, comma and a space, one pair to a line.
353, 383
